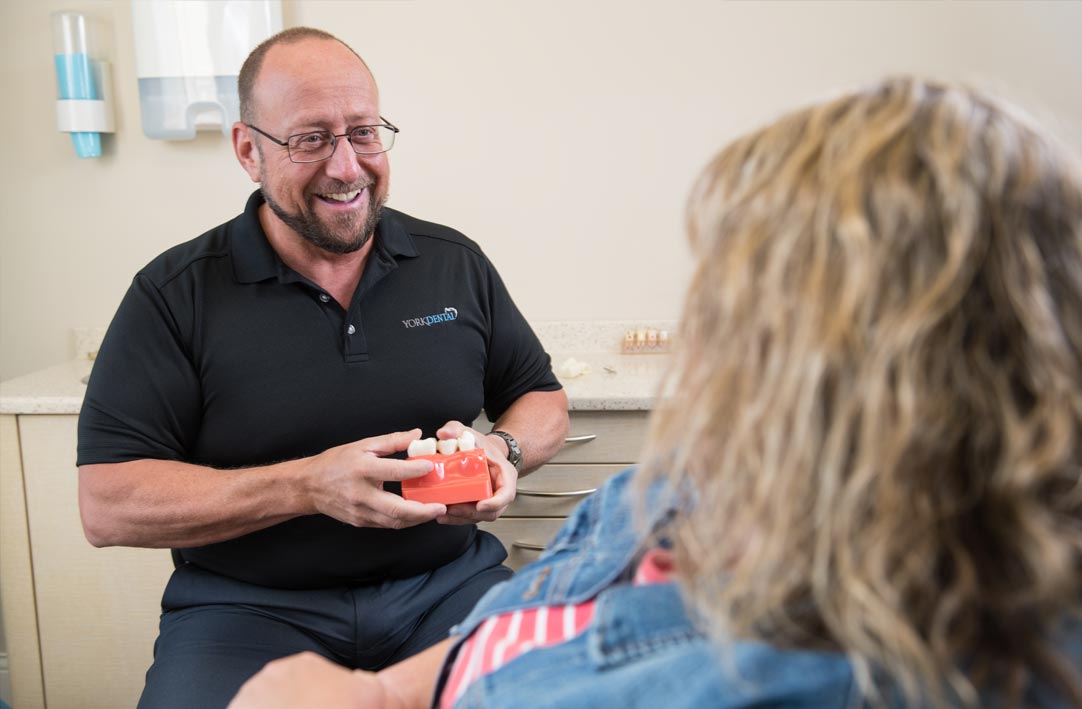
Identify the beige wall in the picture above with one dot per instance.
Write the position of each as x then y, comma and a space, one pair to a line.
562, 135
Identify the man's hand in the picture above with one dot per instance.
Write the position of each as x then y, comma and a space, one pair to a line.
503, 474
347, 483
308, 680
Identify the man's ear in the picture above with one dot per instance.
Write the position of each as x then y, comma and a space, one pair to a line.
247, 154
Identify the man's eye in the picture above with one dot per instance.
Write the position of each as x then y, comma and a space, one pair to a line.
364, 135
310, 140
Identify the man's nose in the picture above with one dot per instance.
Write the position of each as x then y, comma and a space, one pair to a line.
343, 164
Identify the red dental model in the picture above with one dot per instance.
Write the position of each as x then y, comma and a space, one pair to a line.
455, 477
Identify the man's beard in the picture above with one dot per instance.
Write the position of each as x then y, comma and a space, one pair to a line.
317, 233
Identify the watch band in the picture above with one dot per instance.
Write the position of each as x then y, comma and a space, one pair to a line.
514, 452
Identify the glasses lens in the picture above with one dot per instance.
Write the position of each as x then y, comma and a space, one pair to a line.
310, 147
367, 140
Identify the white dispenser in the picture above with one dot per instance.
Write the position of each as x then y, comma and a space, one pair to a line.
188, 54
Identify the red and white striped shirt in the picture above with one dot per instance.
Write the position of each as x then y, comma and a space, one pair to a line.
502, 638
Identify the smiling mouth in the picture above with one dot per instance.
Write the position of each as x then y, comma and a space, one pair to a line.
340, 197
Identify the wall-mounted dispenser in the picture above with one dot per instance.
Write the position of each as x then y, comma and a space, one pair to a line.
83, 105
187, 57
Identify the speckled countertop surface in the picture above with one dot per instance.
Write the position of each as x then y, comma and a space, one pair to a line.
611, 381
56, 390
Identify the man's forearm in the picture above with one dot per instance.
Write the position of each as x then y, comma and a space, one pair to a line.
538, 421
160, 503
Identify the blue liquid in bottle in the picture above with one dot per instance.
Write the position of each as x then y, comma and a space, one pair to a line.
75, 79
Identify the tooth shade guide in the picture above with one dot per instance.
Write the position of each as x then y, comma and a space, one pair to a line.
646, 341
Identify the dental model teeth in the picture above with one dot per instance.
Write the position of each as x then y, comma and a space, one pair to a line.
467, 441
430, 446
459, 471
423, 446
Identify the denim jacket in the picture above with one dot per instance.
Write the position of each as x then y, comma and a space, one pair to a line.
641, 649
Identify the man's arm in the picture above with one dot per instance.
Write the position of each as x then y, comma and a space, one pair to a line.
538, 420
158, 503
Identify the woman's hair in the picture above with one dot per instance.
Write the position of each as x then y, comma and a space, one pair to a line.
875, 408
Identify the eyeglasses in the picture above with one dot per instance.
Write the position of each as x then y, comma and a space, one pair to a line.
319, 145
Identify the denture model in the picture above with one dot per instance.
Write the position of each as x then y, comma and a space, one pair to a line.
459, 472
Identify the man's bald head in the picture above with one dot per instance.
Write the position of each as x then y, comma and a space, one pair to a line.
249, 72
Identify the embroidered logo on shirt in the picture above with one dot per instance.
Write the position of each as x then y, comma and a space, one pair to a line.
447, 315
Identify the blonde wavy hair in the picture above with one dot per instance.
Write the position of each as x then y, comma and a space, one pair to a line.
876, 402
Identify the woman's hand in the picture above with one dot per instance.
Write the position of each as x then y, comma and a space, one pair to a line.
309, 680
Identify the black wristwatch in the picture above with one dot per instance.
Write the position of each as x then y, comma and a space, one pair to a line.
514, 452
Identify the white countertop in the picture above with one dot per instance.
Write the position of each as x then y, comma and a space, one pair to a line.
614, 382
56, 390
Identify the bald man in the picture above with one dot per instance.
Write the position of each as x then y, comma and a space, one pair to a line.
253, 397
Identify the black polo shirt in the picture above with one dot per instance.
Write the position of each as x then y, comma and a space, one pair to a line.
223, 356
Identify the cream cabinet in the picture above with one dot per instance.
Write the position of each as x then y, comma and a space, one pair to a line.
600, 444
80, 621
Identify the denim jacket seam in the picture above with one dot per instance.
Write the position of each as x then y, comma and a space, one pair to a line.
625, 651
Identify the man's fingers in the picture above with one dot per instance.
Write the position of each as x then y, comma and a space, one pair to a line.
390, 511
407, 513
469, 513
496, 504
451, 429
390, 442
393, 470
455, 521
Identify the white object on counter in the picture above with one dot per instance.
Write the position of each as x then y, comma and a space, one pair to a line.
572, 368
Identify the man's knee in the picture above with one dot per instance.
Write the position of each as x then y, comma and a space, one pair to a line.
203, 656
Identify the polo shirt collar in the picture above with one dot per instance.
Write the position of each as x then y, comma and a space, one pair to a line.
392, 237
255, 260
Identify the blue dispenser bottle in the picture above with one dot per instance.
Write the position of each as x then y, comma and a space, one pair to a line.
75, 79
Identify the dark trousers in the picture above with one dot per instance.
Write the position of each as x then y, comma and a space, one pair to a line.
216, 632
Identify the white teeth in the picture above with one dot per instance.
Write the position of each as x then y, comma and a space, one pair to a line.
342, 196
467, 441
423, 446
430, 446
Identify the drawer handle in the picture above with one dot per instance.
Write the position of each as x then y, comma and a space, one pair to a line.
585, 438
528, 546
568, 493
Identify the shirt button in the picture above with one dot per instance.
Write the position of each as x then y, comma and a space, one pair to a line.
351, 330
324, 297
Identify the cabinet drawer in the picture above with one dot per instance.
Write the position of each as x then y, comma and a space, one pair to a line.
554, 490
598, 436
523, 537
604, 437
